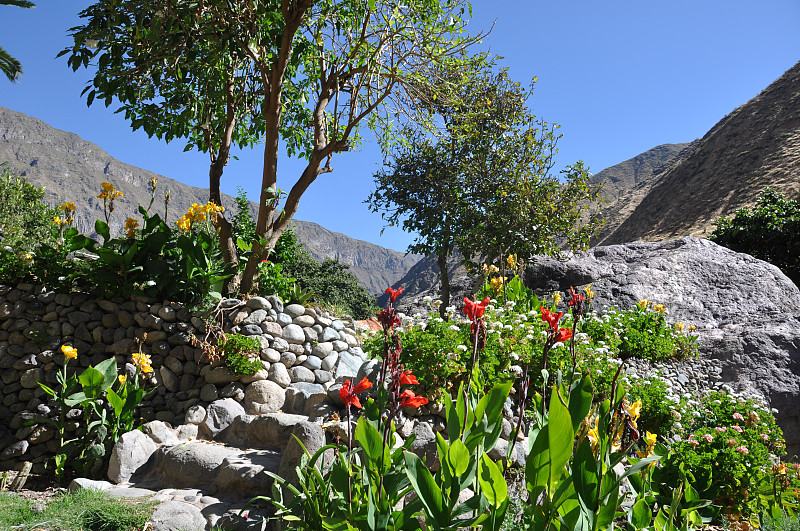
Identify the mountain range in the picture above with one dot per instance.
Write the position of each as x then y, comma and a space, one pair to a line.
71, 169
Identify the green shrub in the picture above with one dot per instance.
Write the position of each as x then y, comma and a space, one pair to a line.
642, 332
770, 231
241, 354
728, 447
25, 220
658, 413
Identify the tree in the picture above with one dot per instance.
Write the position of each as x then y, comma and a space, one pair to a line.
306, 73
770, 231
484, 185
11, 67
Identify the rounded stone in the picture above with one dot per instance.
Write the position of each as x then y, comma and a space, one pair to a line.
259, 303
294, 310
293, 334
302, 374
196, 415
288, 359
271, 355
209, 393
313, 363
322, 350
304, 321
263, 396
279, 374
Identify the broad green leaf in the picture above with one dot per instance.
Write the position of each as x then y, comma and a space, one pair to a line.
537, 468
560, 436
425, 487
115, 401
580, 401
641, 515
92, 382
101, 228
493, 485
372, 443
458, 457
109, 370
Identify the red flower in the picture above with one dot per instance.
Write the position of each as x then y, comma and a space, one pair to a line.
563, 334
408, 379
348, 393
551, 318
577, 298
474, 310
409, 399
388, 318
393, 294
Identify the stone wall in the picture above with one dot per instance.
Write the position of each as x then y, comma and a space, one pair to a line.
304, 352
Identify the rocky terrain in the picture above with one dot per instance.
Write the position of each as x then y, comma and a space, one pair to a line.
71, 169
755, 146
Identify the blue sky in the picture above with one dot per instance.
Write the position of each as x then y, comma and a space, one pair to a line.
619, 76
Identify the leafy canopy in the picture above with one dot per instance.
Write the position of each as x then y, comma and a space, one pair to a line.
302, 73
484, 184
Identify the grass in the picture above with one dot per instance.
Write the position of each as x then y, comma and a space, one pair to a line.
83, 510
782, 523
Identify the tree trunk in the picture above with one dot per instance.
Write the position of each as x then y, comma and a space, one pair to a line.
444, 276
226, 243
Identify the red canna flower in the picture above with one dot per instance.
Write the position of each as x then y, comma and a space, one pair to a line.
388, 318
474, 310
551, 318
408, 379
577, 298
393, 294
409, 399
348, 393
563, 334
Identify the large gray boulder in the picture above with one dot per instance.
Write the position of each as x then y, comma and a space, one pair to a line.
131, 452
745, 310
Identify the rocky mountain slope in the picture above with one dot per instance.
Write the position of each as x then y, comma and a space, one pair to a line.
756, 145
71, 169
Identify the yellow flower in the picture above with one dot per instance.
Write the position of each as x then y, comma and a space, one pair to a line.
493, 269
130, 226
650, 444
556, 297
679, 327
184, 223
511, 261
594, 438
107, 187
68, 207
633, 410
589, 292
57, 220
142, 362
69, 352
497, 284
28, 256
109, 192
122, 379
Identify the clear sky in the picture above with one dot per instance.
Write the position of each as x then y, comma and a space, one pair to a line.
619, 76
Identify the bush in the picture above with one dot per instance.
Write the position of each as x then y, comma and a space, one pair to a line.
728, 447
25, 220
241, 354
770, 231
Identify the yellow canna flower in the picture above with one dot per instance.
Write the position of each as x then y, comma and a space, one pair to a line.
130, 226
57, 220
107, 187
589, 292
633, 410
556, 297
142, 362
122, 379
69, 352
650, 444
68, 207
594, 438
511, 261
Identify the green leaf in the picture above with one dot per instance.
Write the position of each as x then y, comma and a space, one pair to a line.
115, 401
580, 401
75, 399
537, 468
641, 515
425, 487
493, 484
458, 457
560, 436
109, 369
371, 441
92, 382
101, 228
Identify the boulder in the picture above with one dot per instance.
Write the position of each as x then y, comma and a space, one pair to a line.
193, 464
219, 416
177, 516
263, 396
132, 452
745, 310
312, 438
